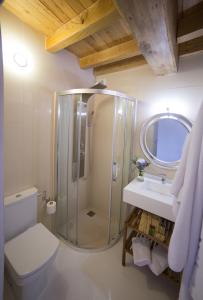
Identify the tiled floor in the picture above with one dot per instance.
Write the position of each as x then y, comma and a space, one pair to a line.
100, 276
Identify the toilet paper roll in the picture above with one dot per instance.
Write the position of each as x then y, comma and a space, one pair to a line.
51, 207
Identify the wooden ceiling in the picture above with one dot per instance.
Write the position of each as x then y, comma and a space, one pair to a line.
111, 35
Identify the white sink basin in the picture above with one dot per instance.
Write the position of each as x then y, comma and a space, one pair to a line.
151, 195
157, 187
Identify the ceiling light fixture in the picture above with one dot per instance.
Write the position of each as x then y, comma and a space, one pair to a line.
20, 60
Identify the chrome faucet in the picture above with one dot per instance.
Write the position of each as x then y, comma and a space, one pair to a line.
163, 178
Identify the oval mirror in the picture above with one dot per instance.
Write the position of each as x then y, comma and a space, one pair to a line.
162, 138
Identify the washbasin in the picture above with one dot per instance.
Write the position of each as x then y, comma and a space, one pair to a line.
151, 195
157, 186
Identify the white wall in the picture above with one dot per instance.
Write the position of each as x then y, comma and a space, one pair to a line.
1, 177
181, 92
29, 94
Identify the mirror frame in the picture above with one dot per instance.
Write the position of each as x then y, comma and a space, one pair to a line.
143, 137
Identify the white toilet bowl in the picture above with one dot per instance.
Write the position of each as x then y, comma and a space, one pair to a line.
28, 261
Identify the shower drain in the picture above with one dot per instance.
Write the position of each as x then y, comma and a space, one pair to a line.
91, 213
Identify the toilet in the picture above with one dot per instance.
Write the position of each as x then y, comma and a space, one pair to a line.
30, 248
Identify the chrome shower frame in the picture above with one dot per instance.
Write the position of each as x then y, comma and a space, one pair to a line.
90, 92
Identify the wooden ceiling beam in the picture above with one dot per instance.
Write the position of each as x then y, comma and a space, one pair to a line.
186, 47
194, 45
153, 24
131, 49
109, 55
121, 65
99, 15
191, 20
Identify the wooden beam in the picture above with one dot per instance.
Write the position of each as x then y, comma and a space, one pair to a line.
191, 20
191, 46
97, 16
185, 47
153, 24
195, 45
120, 65
190, 36
118, 52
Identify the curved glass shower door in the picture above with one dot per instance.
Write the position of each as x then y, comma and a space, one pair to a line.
94, 148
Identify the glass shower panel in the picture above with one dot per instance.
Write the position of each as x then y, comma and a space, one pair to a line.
124, 117
117, 166
94, 151
68, 165
94, 187
62, 165
128, 170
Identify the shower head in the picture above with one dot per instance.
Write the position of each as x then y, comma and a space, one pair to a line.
99, 85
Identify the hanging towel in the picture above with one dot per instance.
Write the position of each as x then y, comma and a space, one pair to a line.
188, 201
141, 251
179, 178
197, 286
159, 260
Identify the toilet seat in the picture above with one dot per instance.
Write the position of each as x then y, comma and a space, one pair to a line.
29, 252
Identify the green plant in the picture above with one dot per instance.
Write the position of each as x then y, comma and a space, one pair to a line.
140, 164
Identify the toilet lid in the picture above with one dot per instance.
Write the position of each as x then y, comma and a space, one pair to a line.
31, 250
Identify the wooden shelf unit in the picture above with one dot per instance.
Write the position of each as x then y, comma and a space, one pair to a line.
131, 229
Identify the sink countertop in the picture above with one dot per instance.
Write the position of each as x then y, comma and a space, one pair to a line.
142, 195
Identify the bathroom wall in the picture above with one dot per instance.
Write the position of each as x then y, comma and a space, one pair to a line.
29, 94
1, 177
181, 92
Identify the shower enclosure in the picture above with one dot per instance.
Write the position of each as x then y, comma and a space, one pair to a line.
94, 147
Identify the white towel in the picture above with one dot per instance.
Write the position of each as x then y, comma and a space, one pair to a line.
141, 251
189, 198
159, 260
179, 177
197, 286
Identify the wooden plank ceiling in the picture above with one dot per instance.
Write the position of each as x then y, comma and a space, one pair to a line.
112, 35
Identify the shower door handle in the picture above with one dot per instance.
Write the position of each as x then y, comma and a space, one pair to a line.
114, 171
